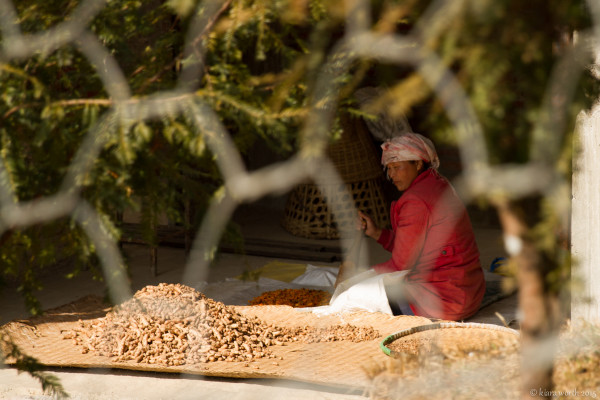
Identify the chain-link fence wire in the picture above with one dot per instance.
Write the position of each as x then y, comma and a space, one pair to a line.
478, 177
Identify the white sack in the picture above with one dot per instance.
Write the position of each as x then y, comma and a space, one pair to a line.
363, 292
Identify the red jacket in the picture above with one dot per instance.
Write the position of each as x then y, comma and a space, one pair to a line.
432, 237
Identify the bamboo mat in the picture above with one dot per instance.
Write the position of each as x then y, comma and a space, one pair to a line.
339, 363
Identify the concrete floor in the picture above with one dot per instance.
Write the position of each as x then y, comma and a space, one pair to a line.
114, 384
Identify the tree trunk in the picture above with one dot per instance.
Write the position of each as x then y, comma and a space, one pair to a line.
540, 311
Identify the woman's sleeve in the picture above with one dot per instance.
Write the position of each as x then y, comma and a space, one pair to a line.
386, 239
409, 239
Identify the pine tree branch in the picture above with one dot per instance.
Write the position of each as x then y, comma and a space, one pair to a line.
23, 363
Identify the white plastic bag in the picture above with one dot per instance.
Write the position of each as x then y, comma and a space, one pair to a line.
363, 292
317, 276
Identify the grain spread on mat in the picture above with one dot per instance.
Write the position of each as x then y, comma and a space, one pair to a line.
173, 324
293, 297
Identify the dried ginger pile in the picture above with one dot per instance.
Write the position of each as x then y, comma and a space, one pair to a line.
293, 297
173, 324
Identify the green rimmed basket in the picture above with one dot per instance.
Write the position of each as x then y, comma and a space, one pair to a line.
440, 325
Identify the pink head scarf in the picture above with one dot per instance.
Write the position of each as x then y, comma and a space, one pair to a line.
407, 147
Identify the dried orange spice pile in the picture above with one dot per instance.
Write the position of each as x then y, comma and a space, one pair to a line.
293, 297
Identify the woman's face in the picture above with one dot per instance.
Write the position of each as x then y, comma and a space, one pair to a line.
403, 173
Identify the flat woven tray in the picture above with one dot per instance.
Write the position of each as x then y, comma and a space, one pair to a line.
337, 364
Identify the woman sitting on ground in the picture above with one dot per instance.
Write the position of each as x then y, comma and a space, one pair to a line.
431, 237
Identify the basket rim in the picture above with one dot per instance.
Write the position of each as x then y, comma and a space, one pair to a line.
439, 325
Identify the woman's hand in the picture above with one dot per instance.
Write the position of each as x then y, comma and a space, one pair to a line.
368, 226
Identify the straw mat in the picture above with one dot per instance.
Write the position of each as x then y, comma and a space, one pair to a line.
330, 363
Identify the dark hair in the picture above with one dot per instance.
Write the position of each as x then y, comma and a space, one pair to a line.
426, 165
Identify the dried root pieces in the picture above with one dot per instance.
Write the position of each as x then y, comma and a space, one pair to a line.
172, 324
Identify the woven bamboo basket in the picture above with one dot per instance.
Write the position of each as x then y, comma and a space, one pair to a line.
356, 159
453, 339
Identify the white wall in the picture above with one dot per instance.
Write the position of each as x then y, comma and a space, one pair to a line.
585, 225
